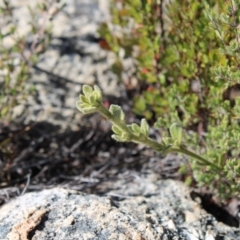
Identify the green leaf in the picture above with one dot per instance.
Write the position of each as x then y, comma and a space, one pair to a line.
83, 99
136, 129
140, 105
176, 133
117, 138
84, 108
124, 138
144, 127
89, 110
98, 93
117, 130
166, 140
87, 90
92, 99
117, 112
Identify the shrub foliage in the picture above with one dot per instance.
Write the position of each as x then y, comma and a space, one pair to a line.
185, 57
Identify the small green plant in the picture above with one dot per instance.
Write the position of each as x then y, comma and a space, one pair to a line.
17, 54
227, 176
172, 50
187, 68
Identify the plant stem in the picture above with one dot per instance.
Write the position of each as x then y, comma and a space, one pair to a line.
159, 147
154, 144
105, 112
150, 143
147, 141
189, 153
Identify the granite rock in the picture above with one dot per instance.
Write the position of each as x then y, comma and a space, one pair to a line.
140, 208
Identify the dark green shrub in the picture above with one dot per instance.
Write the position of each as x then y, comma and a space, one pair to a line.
184, 78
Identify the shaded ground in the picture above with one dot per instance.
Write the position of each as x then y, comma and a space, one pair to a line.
40, 155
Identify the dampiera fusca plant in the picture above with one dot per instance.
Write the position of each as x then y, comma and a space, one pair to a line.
91, 102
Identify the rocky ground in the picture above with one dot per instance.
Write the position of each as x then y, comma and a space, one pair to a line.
137, 208
51, 144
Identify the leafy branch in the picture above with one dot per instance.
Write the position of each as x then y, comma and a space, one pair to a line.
91, 101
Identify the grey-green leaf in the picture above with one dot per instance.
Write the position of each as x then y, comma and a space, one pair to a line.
83, 99
87, 90
117, 130
88, 110
117, 112
144, 127
117, 138
78, 105
176, 133
136, 128
166, 140
98, 92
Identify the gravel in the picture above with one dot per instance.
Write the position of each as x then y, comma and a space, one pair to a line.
72, 59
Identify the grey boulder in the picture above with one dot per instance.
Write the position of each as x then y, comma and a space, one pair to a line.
142, 208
